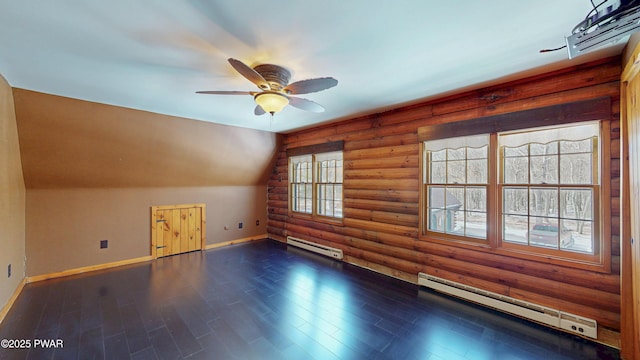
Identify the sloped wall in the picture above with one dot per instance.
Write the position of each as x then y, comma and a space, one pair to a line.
69, 143
12, 199
381, 196
92, 172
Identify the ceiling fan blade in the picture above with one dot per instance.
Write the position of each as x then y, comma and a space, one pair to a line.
215, 92
259, 110
249, 73
306, 105
310, 85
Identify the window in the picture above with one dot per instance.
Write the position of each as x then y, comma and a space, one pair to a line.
301, 183
316, 184
456, 185
329, 184
549, 184
537, 193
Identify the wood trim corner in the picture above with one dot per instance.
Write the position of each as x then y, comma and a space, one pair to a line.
12, 300
237, 241
85, 269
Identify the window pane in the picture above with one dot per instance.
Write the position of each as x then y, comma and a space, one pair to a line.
515, 201
476, 224
294, 198
477, 153
438, 172
543, 202
516, 170
456, 172
331, 171
436, 220
456, 154
515, 228
574, 147
576, 169
455, 222
543, 232
337, 208
440, 155
307, 197
516, 151
323, 171
476, 199
301, 198
446, 209
578, 236
544, 169
321, 204
477, 171
326, 199
576, 203
454, 198
435, 197
337, 200
296, 173
544, 149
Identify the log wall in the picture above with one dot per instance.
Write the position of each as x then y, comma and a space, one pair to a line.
381, 195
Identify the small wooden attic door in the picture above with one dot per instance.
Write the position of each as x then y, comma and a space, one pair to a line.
177, 229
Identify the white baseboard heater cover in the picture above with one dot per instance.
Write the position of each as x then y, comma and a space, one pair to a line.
553, 317
316, 248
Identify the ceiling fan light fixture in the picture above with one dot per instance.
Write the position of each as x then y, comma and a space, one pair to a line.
271, 101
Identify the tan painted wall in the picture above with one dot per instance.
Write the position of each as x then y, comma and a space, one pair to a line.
65, 226
12, 198
92, 172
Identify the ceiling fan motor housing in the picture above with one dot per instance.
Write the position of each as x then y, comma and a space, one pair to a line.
277, 76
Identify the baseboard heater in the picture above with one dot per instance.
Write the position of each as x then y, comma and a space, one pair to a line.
542, 314
316, 248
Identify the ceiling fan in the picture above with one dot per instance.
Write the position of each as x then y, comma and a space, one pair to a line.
275, 90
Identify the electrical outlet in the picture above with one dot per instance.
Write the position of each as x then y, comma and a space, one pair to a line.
239, 225
9, 271
104, 244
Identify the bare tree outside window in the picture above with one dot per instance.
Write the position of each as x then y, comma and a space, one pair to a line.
316, 184
301, 180
329, 171
549, 178
456, 185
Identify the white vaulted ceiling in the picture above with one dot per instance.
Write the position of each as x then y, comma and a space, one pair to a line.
154, 55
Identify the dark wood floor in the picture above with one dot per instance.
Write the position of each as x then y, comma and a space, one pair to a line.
264, 300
